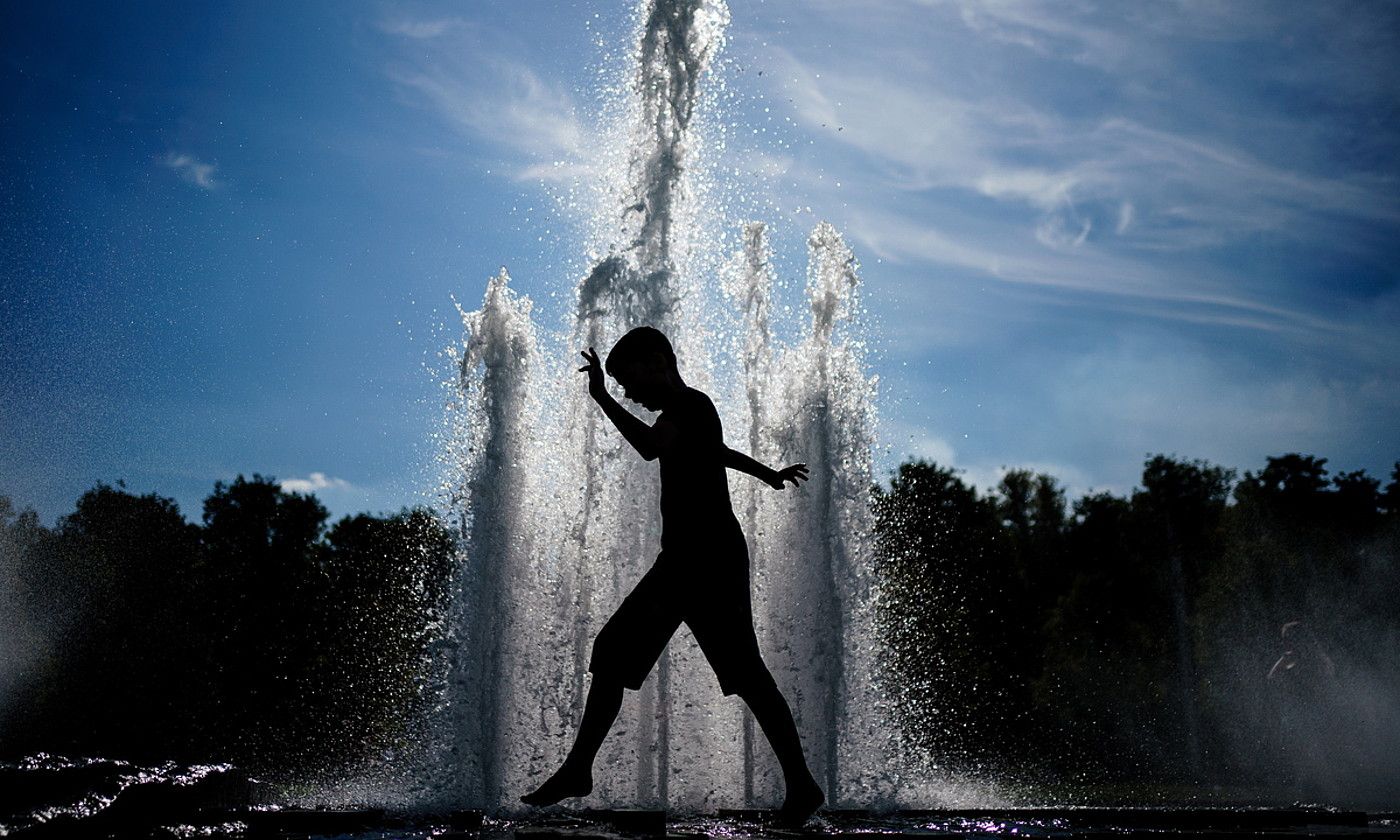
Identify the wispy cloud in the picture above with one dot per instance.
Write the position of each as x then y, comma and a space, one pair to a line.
491, 97
420, 29
314, 482
1106, 197
192, 170
515, 108
1103, 277
1048, 28
1187, 191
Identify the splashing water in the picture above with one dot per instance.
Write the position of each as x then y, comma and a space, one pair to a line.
560, 517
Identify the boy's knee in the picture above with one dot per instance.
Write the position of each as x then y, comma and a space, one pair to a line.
608, 653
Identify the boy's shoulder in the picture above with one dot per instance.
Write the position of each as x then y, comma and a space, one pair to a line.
697, 394
691, 404
692, 399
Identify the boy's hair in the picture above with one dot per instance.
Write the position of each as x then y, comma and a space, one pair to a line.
635, 346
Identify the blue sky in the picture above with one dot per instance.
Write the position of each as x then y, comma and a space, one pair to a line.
230, 234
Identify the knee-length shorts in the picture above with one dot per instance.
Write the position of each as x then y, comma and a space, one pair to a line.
710, 596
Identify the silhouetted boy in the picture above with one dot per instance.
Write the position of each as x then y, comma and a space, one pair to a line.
701, 576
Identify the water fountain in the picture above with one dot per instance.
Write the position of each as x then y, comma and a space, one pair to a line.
544, 485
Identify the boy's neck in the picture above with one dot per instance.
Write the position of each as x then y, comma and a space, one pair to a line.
674, 386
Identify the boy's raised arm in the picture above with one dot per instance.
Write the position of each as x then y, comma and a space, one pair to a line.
776, 479
645, 439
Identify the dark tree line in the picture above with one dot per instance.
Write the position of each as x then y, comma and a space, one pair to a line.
1142, 637
264, 636
1205, 627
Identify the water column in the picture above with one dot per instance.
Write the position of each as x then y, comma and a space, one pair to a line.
637, 284
495, 435
750, 283
815, 573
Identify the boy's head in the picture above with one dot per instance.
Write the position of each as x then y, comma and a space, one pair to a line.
644, 364
643, 346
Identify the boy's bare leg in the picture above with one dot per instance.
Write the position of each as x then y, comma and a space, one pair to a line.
774, 716
575, 777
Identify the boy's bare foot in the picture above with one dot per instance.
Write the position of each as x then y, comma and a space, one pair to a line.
562, 785
802, 802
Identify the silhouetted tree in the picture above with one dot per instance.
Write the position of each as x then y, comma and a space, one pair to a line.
113, 582
1107, 648
1014, 635
941, 611
265, 581
1356, 501
1179, 510
258, 637
1290, 486
1390, 500
27, 663
1031, 511
1299, 549
387, 589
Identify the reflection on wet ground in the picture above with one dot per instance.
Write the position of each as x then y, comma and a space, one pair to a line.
375, 824
53, 797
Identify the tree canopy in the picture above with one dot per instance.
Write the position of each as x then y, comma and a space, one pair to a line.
260, 636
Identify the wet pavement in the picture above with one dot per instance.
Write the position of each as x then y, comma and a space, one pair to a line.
52, 797
375, 824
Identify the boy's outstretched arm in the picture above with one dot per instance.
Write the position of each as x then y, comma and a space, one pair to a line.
645, 439
797, 473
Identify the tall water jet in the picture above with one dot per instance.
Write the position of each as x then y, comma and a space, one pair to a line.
560, 517
494, 441
813, 571
679, 37
637, 284
750, 281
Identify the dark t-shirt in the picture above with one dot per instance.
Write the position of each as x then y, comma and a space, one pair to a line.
695, 509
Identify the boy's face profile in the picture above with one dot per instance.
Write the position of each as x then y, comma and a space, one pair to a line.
646, 381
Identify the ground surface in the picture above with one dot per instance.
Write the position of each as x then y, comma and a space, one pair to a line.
52, 797
628, 825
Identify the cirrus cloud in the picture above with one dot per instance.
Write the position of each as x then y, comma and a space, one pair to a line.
192, 170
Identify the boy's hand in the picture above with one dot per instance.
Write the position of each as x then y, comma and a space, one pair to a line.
594, 369
797, 473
